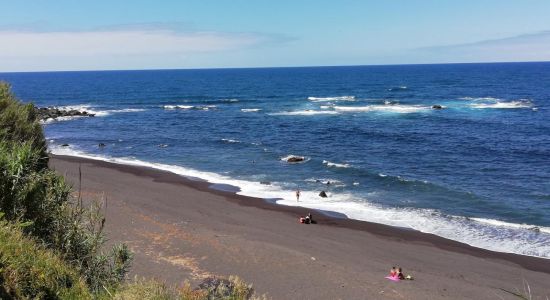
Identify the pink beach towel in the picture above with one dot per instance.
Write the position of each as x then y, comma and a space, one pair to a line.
392, 278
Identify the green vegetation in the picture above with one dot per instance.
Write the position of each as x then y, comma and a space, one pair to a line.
30, 271
51, 246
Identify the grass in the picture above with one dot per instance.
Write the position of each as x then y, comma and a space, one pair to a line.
29, 271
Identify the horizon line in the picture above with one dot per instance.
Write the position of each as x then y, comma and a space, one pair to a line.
277, 67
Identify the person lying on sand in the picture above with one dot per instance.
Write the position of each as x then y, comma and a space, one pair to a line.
308, 219
400, 274
396, 274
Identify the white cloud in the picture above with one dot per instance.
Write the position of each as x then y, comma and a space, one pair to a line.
527, 47
116, 48
120, 42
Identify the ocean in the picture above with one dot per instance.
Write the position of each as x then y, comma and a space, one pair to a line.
476, 171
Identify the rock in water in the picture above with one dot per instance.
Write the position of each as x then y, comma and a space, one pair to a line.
437, 106
45, 113
295, 159
323, 194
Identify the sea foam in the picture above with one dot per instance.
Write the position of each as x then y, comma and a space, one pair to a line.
328, 99
483, 233
503, 105
392, 108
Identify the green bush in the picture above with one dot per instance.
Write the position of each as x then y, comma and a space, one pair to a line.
232, 288
33, 194
28, 271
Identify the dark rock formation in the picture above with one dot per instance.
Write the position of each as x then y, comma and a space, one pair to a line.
45, 113
295, 159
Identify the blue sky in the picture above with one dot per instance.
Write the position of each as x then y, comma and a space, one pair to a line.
97, 35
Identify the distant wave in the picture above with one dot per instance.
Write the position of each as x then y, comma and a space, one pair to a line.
480, 99
483, 233
395, 108
126, 110
336, 165
229, 100
189, 107
250, 109
398, 88
327, 99
178, 106
231, 141
308, 112
503, 105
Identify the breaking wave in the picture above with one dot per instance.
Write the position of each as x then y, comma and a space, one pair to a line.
327, 99
394, 108
503, 105
307, 112
478, 232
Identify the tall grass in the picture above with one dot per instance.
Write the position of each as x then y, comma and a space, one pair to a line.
28, 271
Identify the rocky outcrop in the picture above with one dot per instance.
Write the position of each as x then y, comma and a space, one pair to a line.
45, 113
294, 159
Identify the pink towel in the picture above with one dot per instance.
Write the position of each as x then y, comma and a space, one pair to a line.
392, 278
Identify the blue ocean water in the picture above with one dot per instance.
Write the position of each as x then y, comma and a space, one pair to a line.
476, 171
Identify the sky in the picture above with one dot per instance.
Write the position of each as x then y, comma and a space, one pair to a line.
46, 35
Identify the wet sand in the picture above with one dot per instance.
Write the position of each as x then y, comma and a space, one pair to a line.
181, 229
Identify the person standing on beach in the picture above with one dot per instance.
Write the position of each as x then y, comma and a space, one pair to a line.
297, 195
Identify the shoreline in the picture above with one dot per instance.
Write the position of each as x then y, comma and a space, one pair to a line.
181, 229
409, 235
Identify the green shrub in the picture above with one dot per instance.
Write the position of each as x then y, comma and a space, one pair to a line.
232, 288
28, 271
33, 194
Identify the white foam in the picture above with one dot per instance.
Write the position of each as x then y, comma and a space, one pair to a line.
503, 105
250, 109
175, 106
230, 100
126, 110
480, 98
230, 141
512, 225
307, 112
393, 108
336, 165
327, 99
399, 88
483, 233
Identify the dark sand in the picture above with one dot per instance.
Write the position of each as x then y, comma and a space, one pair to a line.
180, 229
